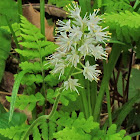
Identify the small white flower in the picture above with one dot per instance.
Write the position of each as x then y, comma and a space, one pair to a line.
93, 20
75, 33
63, 26
56, 57
87, 46
90, 72
98, 52
59, 68
74, 11
85, 49
65, 42
73, 58
71, 84
100, 35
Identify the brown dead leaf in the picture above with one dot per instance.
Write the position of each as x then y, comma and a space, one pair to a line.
8, 82
34, 17
50, 9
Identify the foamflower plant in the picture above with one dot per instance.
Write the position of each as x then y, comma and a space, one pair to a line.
77, 38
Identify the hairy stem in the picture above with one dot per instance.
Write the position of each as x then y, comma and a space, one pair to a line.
28, 132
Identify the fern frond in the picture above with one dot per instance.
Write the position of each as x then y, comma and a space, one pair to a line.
44, 130
53, 80
34, 67
71, 134
29, 79
112, 129
124, 25
30, 102
28, 53
14, 132
36, 134
75, 126
34, 51
110, 134
66, 96
78, 122
117, 6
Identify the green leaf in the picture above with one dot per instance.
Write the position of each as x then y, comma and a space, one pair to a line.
8, 8
5, 46
127, 108
2, 110
17, 119
133, 85
30, 101
15, 91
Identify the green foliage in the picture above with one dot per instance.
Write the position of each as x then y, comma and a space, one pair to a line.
110, 134
73, 105
5, 46
15, 91
124, 26
116, 6
80, 128
75, 127
65, 98
34, 52
8, 8
28, 101
62, 126
14, 132
133, 85
5, 126
60, 3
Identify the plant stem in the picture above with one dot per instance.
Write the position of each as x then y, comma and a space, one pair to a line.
89, 98
28, 132
134, 134
93, 87
128, 78
108, 106
42, 16
110, 66
83, 95
20, 8
13, 33
42, 27
42, 118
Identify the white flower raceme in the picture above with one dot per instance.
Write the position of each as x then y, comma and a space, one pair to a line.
77, 39
71, 84
90, 72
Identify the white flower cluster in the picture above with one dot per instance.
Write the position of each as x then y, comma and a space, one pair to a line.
77, 39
